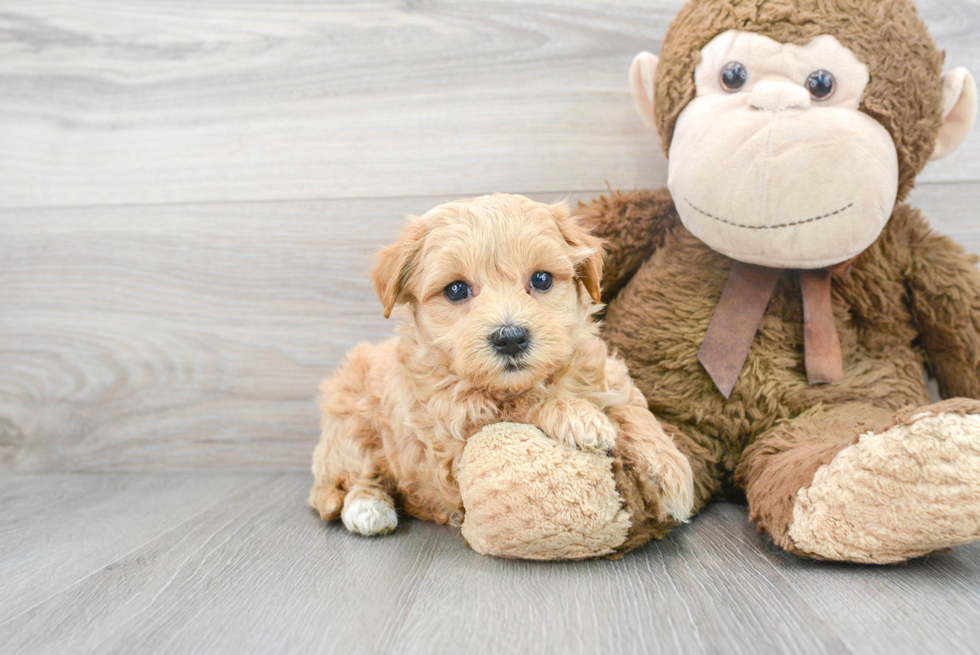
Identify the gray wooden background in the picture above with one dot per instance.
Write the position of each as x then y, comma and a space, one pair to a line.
189, 195
190, 192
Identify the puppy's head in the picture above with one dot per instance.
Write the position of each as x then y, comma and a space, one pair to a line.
500, 286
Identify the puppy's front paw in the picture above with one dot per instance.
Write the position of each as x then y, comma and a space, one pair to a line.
579, 423
671, 472
656, 457
369, 516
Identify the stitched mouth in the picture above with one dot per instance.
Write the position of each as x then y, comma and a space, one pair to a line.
804, 221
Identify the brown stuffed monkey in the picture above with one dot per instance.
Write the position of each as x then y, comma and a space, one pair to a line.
778, 304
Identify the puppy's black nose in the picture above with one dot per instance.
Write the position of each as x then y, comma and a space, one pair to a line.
509, 340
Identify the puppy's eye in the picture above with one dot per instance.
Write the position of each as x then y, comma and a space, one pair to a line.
542, 281
821, 84
457, 291
733, 76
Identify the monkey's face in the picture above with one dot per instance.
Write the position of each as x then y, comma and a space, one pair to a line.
772, 163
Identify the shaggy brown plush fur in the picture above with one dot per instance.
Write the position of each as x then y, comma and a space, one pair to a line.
905, 90
814, 462
858, 470
913, 295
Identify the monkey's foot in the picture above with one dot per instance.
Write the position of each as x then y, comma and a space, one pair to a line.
528, 496
908, 491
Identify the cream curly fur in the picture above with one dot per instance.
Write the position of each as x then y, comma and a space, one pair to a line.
397, 416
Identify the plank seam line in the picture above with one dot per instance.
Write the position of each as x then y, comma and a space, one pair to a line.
273, 201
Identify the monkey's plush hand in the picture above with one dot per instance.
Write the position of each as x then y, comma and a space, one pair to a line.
526, 495
576, 422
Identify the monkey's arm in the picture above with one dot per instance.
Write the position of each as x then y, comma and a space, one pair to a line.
944, 291
633, 224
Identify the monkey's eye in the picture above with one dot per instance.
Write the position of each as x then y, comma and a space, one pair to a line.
542, 281
733, 76
821, 84
457, 291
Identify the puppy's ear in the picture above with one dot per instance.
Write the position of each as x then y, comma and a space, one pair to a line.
394, 264
587, 250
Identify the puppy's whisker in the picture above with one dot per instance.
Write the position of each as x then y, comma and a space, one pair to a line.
515, 365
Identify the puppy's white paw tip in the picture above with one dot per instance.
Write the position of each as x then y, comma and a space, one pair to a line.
369, 516
677, 488
596, 432
680, 513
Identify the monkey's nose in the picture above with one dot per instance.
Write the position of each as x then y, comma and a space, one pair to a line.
777, 96
510, 340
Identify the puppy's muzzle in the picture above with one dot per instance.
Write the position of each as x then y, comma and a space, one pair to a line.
510, 340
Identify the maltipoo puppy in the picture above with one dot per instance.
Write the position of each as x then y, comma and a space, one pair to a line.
499, 293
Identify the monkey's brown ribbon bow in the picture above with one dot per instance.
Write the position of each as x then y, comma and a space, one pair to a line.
739, 313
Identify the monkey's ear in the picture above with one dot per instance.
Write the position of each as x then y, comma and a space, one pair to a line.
959, 111
642, 73
587, 249
394, 264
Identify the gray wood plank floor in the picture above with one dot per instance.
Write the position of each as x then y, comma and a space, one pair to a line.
189, 195
237, 563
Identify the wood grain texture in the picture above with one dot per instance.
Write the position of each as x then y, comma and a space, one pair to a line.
184, 337
115, 102
926, 606
181, 337
138, 335
189, 196
701, 590
56, 530
258, 572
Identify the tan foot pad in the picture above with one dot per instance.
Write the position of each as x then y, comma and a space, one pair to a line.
906, 492
527, 496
